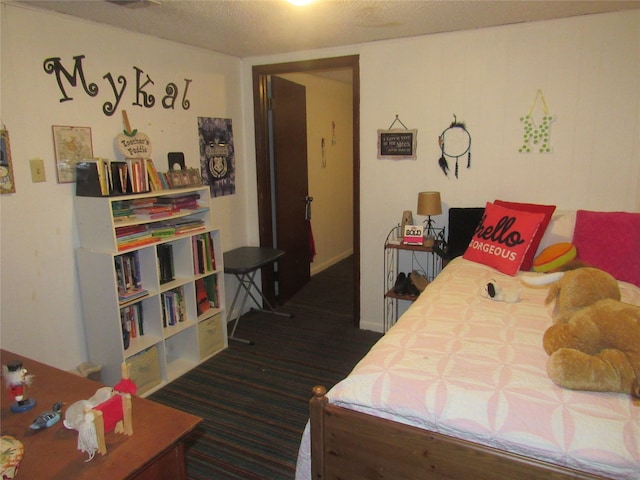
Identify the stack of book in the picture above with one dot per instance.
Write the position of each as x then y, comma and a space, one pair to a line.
162, 230
183, 226
187, 201
129, 277
138, 175
133, 236
122, 211
152, 212
204, 258
100, 177
131, 320
173, 307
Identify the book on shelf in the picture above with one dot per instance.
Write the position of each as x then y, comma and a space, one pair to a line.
93, 177
203, 253
187, 200
129, 277
143, 202
120, 177
133, 236
161, 230
131, 319
128, 230
128, 273
155, 211
165, 262
211, 287
202, 301
135, 243
154, 177
173, 307
97, 177
122, 211
131, 295
187, 225
138, 174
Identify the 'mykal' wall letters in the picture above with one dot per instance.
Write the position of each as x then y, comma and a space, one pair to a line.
142, 99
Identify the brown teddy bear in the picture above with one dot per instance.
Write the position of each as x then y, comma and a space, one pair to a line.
594, 343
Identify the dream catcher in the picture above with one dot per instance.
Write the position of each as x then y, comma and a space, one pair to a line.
454, 142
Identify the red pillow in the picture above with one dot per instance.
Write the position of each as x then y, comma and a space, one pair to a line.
503, 237
547, 210
610, 241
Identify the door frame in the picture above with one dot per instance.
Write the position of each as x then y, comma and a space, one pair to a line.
260, 74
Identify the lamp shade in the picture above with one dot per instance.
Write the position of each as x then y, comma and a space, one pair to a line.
429, 203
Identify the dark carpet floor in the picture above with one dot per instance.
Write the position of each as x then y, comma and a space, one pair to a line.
254, 398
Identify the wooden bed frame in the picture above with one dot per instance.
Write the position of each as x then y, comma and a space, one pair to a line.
346, 444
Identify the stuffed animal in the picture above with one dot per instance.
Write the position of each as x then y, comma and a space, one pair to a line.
594, 343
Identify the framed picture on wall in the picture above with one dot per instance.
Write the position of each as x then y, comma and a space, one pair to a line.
71, 145
7, 185
397, 144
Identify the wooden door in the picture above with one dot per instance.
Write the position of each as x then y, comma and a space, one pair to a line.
289, 133
260, 75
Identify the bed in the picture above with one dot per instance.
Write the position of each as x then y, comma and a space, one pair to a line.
457, 388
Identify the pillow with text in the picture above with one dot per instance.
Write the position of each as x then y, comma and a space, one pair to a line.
503, 237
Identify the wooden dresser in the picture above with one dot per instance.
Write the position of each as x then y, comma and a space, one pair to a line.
154, 452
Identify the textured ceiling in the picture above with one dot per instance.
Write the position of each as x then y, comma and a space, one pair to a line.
245, 28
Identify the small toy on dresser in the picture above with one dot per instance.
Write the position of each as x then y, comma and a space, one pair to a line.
109, 409
17, 381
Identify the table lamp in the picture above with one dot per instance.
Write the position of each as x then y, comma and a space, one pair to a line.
429, 204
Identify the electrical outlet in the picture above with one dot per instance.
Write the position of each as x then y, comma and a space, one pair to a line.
37, 170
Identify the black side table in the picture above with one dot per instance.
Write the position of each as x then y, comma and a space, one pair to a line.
244, 262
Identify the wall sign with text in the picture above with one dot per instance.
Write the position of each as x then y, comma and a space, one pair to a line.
413, 235
397, 144
143, 90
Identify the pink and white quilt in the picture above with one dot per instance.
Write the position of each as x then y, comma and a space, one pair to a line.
470, 367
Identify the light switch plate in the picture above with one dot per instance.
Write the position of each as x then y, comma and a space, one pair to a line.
37, 170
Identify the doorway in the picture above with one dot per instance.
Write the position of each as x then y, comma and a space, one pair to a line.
261, 74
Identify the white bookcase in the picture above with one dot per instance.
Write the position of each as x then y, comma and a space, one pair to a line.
158, 349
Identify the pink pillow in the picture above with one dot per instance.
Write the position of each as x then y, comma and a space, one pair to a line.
547, 210
503, 237
610, 241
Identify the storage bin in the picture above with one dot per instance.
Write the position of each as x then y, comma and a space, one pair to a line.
210, 335
144, 369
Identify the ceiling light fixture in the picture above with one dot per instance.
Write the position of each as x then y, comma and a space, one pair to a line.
135, 3
300, 3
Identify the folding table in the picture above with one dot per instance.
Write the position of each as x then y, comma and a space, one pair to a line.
244, 262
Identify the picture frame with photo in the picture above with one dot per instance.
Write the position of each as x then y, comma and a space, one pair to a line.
7, 183
188, 177
71, 145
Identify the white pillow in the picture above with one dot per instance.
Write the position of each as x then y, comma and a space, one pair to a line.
560, 230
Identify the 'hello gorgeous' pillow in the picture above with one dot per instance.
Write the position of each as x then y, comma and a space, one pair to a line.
547, 210
503, 237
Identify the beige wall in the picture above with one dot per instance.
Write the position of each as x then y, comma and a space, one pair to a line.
589, 70
331, 183
40, 311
